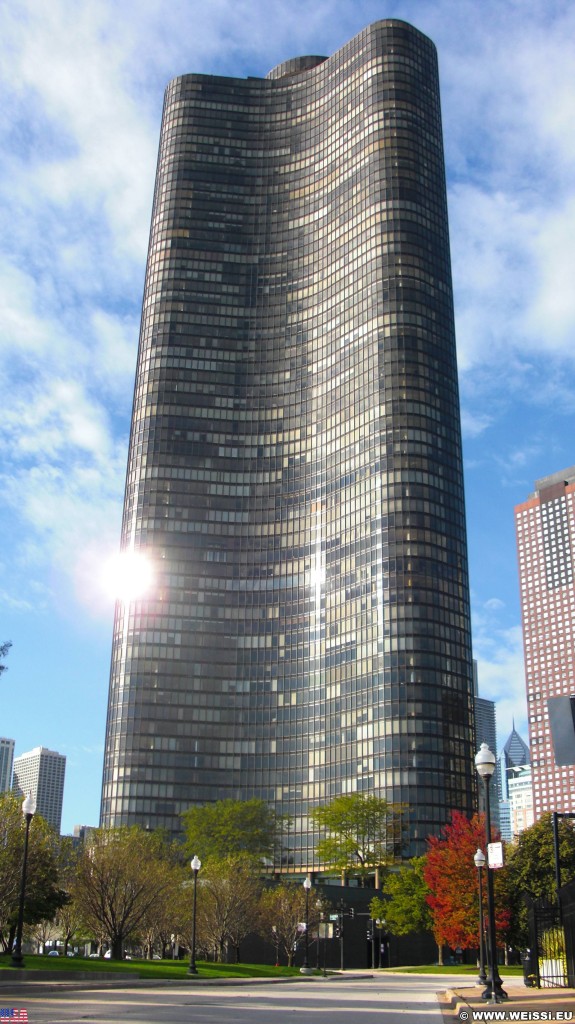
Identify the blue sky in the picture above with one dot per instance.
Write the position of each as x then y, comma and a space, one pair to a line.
82, 86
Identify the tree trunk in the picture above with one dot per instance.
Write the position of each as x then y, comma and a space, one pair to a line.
117, 947
440, 954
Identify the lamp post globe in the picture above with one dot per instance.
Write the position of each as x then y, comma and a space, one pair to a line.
195, 866
485, 762
28, 811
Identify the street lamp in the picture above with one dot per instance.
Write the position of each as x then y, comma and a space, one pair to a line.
319, 910
307, 887
479, 861
195, 866
380, 925
28, 810
485, 762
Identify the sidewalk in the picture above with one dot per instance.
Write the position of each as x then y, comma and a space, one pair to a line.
464, 1003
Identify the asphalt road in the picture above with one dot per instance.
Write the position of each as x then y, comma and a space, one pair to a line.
348, 1000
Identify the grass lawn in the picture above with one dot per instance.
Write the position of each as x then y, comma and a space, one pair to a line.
160, 969
178, 969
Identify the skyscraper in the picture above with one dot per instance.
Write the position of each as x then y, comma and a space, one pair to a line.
41, 773
514, 787
520, 789
294, 472
545, 528
515, 754
485, 732
6, 762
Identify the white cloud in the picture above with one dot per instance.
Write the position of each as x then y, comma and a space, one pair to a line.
549, 318
474, 424
501, 675
114, 352
79, 139
9, 601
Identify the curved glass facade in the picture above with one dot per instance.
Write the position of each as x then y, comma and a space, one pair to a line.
295, 468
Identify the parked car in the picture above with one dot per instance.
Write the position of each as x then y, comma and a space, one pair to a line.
53, 952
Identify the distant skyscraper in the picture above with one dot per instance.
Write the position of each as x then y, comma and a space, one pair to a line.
520, 787
545, 526
6, 763
514, 784
41, 773
82, 834
515, 754
505, 827
485, 732
295, 472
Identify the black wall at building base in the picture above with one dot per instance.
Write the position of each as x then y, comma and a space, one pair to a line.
396, 950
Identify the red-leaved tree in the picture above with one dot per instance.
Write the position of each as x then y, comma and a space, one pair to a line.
451, 875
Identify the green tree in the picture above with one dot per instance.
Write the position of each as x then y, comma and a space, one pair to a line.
404, 903
218, 830
282, 914
123, 875
228, 895
68, 918
43, 932
43, 892
531, 869
364, 833
4, 651
163, 919
68, 922
531, 860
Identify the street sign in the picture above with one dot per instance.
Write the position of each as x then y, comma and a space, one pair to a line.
495, 855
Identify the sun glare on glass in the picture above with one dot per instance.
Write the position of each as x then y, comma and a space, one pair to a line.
128, 576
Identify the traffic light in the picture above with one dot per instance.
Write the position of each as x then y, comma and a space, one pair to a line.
351, 911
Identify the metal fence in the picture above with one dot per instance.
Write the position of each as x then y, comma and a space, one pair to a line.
567, 903
547, 955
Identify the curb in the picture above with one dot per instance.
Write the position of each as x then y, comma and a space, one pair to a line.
524, 1003
451, 1003
38, 987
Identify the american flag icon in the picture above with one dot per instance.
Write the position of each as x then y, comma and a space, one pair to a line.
13, 1015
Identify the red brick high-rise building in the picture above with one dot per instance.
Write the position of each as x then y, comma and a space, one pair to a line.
545, 526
